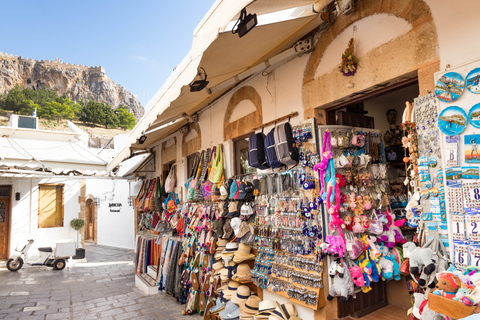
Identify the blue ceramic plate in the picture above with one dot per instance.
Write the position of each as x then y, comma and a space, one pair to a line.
472, 81
452, 121
474, 115
449, 87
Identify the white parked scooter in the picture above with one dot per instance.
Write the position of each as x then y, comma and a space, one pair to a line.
47, 256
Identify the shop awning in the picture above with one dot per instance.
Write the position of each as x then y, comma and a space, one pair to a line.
224, 56
62, 156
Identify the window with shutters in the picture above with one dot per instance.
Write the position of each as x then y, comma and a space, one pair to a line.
50, 205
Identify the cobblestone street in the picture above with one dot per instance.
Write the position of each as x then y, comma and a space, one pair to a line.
102, 288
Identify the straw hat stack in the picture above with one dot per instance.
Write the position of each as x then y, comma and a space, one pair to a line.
243, 253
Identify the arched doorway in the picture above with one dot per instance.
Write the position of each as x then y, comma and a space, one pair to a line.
91, 219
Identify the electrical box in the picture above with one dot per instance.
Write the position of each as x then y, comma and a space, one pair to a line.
65, 249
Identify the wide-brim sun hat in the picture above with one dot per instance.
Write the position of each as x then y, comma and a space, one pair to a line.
243, 253
241, 295
231, 311
265, 308
231, 289
250, 307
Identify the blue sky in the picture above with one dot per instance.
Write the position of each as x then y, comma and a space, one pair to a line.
137, 42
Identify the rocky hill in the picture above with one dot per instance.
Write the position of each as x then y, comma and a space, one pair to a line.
76, 81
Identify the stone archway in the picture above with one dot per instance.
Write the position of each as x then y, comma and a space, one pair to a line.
413, 52
246, 123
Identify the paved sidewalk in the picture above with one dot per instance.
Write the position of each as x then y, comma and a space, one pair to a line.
102, 288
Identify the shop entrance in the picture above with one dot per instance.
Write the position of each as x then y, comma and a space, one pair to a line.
381, 110
90, 220
4, 221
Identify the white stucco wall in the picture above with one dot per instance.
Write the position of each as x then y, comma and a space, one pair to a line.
24, 212
116, 229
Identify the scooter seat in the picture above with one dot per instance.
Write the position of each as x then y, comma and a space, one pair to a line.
45, 249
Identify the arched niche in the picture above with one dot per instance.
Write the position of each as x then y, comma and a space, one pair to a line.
192, 140
246, 123
406, 54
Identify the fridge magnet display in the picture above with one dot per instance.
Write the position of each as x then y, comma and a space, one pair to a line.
472, 81
453, 173
470, 172
452, 121
449, 87
472, 222
461, 254
474, 115
458, 230
451, 151
471, 142
471, 193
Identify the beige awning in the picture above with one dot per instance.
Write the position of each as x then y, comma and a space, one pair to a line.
224, 56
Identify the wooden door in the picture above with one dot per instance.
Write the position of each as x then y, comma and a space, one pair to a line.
4, 221
90, 220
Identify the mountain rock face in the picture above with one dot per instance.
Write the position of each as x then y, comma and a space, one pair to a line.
75, 81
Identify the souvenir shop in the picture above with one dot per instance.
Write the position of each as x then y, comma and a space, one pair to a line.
378, 207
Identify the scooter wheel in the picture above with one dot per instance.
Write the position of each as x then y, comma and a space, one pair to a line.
14, 265
59, 264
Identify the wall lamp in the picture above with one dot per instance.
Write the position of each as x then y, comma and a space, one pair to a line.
142, 139
245, 23
199, 85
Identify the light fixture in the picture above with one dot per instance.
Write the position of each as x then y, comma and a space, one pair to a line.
142, 139
245, 23
199, 85
96, 201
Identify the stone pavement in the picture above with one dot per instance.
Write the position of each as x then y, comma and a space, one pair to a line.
102, 288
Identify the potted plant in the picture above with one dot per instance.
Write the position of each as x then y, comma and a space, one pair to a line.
77, 224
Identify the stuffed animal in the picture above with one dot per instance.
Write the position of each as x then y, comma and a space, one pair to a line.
371, 243
396, 266
420, 259
422, 311
342, 281
474, 296
357, 276
366, 268
448, 284
387, 268
336, 246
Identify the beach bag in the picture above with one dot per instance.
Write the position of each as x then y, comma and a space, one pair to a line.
204, 169
286, 152
256, 151
216, 173
271, 151
354, 245
376, 227
158, 196
171, 180
151, 201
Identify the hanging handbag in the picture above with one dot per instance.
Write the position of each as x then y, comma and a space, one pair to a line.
354, 245
198, 190
207, 184
171, 180
216, 172
151, 200
376, 227
158, 196
405, 267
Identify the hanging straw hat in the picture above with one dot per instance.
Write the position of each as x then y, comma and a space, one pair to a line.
241, 295
265, 308
243, 253
231, 289
243, 273
250, 308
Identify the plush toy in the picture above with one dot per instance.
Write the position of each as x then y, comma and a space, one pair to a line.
448, 284
420, 259
422, 311
323, 165
342, 281
387, 268
366, 268
373, 247
336, 246
474, 296
392, 234
357, 276
396, 266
